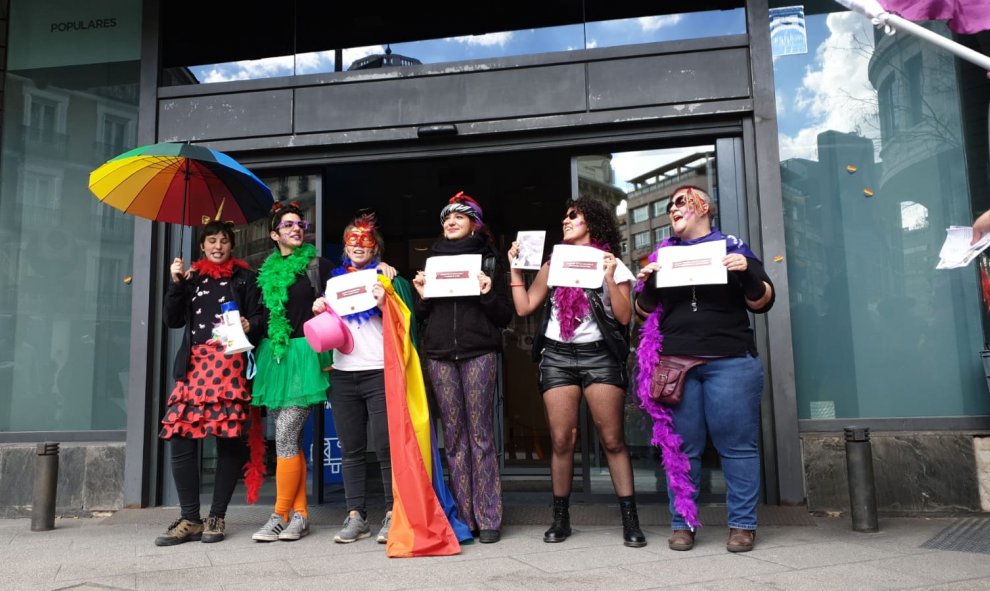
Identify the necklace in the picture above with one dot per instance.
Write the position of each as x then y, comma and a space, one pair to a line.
694, 300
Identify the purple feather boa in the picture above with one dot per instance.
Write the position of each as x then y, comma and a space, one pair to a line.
675, 462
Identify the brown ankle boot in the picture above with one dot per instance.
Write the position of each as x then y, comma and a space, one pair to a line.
681, 540
741, 540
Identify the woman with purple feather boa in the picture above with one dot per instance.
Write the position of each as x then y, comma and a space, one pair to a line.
582, 347
721, 397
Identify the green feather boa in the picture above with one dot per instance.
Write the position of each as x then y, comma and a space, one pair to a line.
274, 279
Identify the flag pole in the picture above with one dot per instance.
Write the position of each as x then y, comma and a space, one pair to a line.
893, 22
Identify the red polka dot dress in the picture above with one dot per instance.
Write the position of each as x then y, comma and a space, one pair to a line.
213, 398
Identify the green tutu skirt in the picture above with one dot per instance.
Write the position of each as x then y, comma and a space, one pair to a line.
298, 380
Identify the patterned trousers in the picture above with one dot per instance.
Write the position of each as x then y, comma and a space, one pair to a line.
465, 392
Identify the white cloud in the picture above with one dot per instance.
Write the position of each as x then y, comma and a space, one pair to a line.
835, 92
487, 40
316, 61
650, 24
247, 69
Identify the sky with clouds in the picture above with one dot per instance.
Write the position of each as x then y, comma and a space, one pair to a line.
506, 43
827, 88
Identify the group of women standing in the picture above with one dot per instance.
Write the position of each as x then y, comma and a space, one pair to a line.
582, 349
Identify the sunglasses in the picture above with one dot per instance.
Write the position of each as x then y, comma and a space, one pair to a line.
678, 202
572, 214
303, 225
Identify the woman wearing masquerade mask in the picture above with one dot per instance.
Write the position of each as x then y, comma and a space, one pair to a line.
721, 397
291, 376
582, 346
461, 340
220, 407
358, 391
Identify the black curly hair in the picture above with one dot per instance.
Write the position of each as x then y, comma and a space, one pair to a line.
601, 220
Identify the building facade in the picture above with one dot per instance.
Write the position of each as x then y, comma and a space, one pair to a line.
840, 161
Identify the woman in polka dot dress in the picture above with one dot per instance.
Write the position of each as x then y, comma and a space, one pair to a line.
211, 395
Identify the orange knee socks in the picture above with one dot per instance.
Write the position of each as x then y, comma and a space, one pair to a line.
299, 504
287, 474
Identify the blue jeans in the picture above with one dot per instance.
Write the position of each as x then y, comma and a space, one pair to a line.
722, 399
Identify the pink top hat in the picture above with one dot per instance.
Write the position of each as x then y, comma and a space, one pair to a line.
328, 331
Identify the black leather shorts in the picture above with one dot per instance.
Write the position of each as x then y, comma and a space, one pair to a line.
579, 364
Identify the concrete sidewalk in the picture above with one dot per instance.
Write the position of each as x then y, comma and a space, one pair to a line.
118, 553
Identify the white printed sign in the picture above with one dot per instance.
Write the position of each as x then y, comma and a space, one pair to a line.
452, 276
698, 264
576, 266
351, 292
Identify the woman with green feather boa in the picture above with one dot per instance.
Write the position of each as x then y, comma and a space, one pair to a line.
291, 377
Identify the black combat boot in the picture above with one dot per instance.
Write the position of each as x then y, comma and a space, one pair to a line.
631, 533
560, 529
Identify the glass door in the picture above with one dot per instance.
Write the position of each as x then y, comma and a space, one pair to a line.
642, 183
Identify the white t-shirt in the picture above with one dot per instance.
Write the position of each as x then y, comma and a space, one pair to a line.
588, 331
369, 350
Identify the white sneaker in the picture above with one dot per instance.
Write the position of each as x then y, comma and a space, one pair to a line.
297, 528
271, 530
383, 532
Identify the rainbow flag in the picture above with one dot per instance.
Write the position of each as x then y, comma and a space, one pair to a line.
424, 518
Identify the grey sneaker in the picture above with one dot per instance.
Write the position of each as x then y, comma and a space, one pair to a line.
297, 528
269, 532
383, 532
355, 528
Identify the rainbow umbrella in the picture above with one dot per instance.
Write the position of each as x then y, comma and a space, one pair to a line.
181, 184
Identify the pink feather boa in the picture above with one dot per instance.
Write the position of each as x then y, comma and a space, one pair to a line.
572, 304
675, 462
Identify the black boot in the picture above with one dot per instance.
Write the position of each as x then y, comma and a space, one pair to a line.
560, 529
631, 533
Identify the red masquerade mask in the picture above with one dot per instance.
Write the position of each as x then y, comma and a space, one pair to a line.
360, 237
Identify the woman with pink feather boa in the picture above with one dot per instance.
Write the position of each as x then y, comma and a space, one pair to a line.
582, 349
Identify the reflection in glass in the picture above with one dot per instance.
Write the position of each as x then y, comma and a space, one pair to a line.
666, 27
640, 183
66, 258
565, 35
872, 169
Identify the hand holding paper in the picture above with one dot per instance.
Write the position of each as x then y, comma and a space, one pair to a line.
576, 266
530, 250
352, 292
451, 276
698, 264
957, 250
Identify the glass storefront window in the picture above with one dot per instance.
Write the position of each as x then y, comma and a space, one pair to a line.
873, 169
666, 27
569, 26
70, 103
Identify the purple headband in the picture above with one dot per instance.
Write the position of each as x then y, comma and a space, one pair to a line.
461, 203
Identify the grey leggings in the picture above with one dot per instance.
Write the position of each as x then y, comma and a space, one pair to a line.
289, 424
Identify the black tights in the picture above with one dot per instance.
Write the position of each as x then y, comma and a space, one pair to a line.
231, 455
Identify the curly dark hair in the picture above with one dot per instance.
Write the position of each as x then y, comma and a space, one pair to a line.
601, 220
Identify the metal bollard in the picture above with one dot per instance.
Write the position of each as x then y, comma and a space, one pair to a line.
45, 481
862, 488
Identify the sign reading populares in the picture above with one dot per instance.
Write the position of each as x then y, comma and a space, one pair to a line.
58, 33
